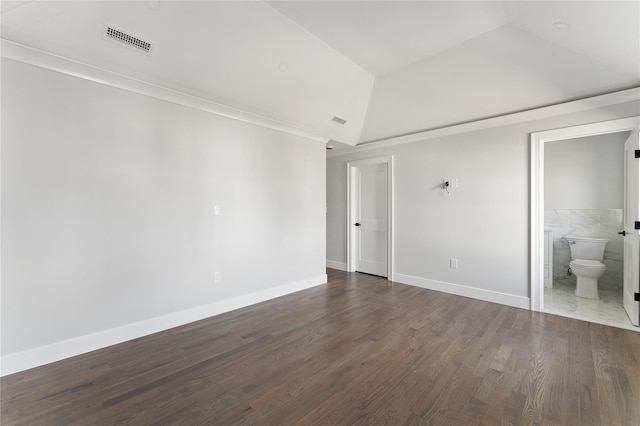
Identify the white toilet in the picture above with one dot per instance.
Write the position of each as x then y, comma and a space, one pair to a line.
586, 264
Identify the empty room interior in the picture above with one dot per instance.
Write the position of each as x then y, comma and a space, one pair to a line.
320, 212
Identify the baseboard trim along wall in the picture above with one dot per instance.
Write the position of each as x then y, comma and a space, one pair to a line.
462, 290
31, 358
333, 264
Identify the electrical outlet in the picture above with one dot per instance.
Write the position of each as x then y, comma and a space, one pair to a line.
453, 263
217, 277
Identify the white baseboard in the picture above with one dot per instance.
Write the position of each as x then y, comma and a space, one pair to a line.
42, 355
341, 266
463, 290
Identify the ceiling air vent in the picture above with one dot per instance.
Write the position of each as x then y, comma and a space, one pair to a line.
339, 120
125, 39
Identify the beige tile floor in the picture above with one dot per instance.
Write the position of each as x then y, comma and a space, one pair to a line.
560, 300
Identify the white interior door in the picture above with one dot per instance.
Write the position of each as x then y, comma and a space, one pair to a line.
371, 219
631, 281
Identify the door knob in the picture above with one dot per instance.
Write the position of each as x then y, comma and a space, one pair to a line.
357, 224
623, 233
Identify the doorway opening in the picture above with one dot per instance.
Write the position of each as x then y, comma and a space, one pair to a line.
588, 220
370, 216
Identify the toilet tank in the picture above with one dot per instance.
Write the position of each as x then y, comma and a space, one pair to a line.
587, 248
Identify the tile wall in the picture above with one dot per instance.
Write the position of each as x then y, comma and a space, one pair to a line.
587, 223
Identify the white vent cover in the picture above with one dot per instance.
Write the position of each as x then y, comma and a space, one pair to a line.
131, 41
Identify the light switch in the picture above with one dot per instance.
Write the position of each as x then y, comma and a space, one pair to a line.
216, 210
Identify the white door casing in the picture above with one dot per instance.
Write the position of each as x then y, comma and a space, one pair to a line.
538, 141
369, 216
631, 280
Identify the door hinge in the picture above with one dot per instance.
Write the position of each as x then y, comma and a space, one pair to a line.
637, 153
637, 225
636, 297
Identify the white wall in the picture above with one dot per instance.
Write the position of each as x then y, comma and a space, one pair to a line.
585, 173
484, 223
107, 210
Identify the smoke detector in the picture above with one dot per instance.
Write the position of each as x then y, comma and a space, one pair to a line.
123, 38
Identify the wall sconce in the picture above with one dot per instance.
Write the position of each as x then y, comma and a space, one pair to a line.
448, 184
445, 185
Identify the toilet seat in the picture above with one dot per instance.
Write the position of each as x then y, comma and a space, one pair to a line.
590, 264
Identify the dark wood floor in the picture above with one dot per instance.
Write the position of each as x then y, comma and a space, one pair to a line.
361, 350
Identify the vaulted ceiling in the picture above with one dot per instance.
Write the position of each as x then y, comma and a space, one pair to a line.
386, 67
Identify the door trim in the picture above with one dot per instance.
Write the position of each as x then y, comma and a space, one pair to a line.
538, 139
351, 230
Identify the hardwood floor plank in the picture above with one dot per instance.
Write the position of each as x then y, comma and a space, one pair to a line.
361, 350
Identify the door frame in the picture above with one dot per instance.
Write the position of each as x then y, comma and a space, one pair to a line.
538, 140
351, 211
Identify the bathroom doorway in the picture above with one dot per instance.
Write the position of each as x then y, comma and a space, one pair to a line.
578, 189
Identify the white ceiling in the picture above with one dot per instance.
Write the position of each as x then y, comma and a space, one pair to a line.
227, 52
387, 67
383, 36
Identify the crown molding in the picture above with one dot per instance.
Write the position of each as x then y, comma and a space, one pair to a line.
613, 98
29, 55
